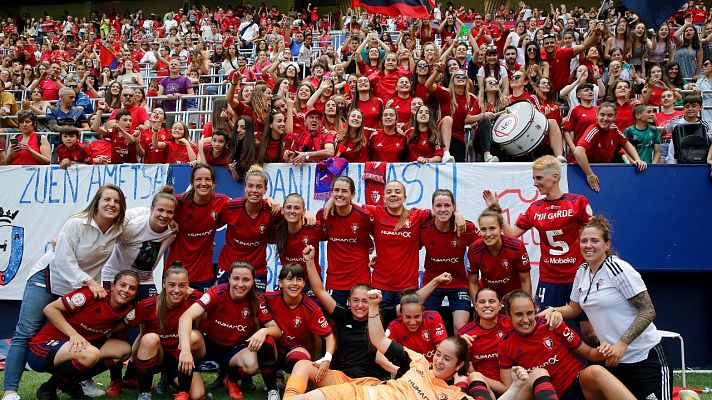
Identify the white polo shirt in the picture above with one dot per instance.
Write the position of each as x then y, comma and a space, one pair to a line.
604, 296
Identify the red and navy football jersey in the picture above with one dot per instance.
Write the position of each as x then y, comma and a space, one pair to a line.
246, 238
145, 313
348, 247
483, 352
297, 323
193, 246
230, 322
544, 348
425, 339
558, 223
499, 272
445, 252
92, 318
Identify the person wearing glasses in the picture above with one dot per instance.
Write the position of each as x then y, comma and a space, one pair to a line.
606, 285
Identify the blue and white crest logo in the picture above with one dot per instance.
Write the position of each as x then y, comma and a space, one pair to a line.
12, 244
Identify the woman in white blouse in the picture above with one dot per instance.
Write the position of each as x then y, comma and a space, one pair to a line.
84, 244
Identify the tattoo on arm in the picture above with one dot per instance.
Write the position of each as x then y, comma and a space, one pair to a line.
646, 315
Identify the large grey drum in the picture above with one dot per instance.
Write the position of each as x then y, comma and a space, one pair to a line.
519, 129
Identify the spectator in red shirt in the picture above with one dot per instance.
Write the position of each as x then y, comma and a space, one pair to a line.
559, 58
71, 151
49, 82
601, 142
313, 144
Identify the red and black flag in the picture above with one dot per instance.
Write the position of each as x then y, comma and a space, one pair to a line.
394, 8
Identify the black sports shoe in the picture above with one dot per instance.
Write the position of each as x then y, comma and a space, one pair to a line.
247, 385
218, 382
73, 390
47, 390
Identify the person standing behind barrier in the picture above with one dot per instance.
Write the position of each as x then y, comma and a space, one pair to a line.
249, 223
156, 126
29, 147
199, 212
348, 230
84, 244
174, 86
617, 302
600, 144
557, 218
445, 252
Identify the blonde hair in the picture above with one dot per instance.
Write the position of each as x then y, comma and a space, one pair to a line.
547, 163
256, 170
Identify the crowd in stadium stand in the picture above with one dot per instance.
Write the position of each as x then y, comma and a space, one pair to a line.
358, 86
241, 87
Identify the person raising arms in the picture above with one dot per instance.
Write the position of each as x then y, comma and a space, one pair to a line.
557, 218
417, 378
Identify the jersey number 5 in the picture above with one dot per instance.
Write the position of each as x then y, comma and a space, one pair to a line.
557, 247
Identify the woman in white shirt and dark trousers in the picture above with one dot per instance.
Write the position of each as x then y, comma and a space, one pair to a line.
84, 244
615, 299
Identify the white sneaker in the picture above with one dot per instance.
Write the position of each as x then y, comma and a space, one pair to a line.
92, 389
11, 396
447, 157
273, 395
492, 158
144, 396
561, 159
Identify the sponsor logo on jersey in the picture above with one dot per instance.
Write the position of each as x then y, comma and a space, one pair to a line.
343, 240
77, 300
322, 322
239, 328
200, 234
548, 343
553, 215
405, 234
525, 258
551, 361
452, 260
568, 334
488, 356
439, 330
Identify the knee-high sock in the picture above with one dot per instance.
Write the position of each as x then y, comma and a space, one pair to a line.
296, 385
293, 358
184, 381
144, 373
268, 362
71, 371
543, 389
478, 390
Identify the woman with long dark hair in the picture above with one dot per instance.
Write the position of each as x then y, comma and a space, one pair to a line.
688, 53
244, 152
423, 138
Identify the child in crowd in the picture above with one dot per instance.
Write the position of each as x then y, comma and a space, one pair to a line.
70, 151
644, 135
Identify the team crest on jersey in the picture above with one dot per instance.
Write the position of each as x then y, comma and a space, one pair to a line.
426, 335
245, 312
407, 224
205, 299
214, 214
589, 211
131, 315
500, 334
297, 322
305, 240
505, 264
262, 228
77, 300
375, 196
454, 242
548, 343
354, 228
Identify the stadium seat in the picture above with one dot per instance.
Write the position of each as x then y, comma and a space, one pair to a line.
675, 335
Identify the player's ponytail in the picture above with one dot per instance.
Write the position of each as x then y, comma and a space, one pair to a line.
166, 193
410, 296
600, 223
